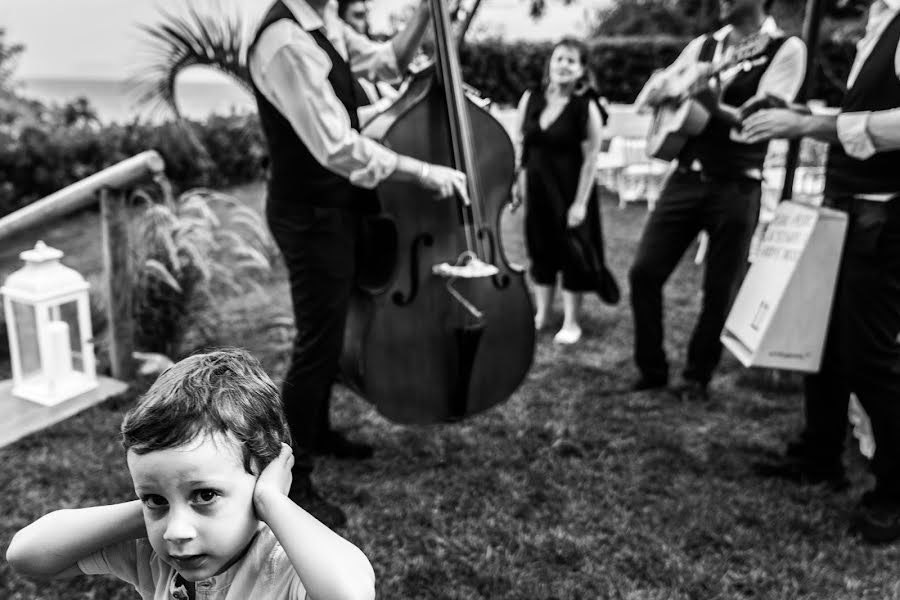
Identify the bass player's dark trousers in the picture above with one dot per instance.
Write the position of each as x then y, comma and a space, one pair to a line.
319, 249
727, 208
862, 349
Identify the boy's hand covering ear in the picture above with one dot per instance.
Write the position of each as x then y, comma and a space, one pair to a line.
276, 477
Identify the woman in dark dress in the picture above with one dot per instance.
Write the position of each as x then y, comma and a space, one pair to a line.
561, 127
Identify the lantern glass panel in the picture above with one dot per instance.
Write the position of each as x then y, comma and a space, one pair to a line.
27, 338
68, 312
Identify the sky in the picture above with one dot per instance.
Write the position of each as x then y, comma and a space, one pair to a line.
100, 39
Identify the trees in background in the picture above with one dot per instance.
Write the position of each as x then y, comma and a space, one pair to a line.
690, 18
9, 52
681, 18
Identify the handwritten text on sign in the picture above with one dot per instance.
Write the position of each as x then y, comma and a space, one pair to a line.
785, 236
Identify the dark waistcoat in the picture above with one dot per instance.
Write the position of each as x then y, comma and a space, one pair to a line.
877, 87
295, 176
714, 148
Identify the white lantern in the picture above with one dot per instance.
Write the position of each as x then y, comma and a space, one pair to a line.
48, 321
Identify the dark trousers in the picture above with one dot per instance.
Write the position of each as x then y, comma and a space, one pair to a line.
728, 210
862, 349
319, 248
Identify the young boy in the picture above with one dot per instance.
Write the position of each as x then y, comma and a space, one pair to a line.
207, 449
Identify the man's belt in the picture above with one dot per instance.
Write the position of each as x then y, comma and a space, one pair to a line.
696, 167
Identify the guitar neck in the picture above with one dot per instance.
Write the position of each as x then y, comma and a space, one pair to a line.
686, 95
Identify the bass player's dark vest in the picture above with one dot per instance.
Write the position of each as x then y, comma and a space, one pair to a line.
714, 148
295, 176
877, 87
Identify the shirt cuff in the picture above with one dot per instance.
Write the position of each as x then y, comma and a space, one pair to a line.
382, 163
852, 130
93, 564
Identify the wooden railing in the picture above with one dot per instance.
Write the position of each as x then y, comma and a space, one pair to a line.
110, 187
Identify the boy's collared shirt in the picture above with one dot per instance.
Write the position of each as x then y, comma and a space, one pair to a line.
263, 572
862, 134
291, 71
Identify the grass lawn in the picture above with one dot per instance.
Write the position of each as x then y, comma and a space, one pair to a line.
572, 489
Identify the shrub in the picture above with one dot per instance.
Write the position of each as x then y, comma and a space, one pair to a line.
503, 70
41, 158
191, 255
41, 155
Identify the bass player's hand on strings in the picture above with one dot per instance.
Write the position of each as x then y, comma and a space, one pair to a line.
443, 181
446, 182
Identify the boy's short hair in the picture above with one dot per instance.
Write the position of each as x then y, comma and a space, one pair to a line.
224, 391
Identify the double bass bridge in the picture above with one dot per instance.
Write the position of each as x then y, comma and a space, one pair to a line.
468, 267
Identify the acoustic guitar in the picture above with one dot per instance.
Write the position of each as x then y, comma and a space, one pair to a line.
681, 117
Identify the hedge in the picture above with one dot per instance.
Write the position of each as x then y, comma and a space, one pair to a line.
39, 159
501, 71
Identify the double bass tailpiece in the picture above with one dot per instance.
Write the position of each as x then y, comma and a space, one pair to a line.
469, 266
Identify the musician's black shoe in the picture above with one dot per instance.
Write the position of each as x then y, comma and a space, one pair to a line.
644, 383
799, 469
337, 445
304, 495
690, 390
877, 518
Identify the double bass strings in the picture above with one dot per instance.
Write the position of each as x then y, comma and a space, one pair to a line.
460, 128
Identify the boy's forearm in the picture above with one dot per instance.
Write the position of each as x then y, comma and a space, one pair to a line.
330, 567
60, 539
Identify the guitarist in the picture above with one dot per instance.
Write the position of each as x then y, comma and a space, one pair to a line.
715, 186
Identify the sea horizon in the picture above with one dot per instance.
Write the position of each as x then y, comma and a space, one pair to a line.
116, 100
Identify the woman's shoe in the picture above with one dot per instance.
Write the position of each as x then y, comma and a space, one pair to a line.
568, 335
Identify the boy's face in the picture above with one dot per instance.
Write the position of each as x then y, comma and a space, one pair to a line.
198, 504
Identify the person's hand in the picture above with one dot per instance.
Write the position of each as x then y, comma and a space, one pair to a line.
517, 197
773, 123
446, 182
760, 102
275, 479
698, 80
576, 214
656, 91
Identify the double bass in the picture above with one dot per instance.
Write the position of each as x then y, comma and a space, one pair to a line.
441, 325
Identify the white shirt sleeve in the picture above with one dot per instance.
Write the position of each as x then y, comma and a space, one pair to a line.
786, 72
291, 71
863, 134
128, 561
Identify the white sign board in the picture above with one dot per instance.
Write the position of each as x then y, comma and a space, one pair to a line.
780, 316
